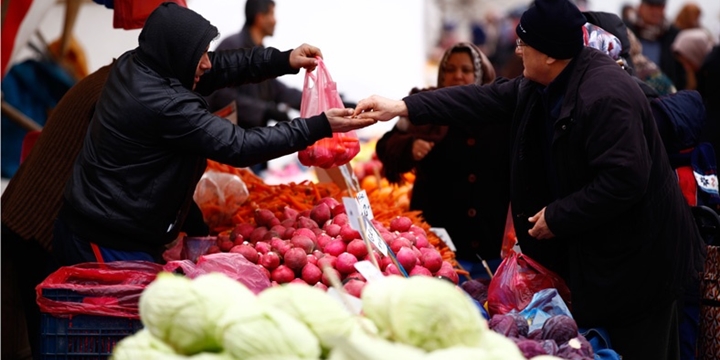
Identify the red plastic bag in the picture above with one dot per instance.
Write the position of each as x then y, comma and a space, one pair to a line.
509, 241
131, 14
104, 289
317, 97
219, 196
231, 264
517, 279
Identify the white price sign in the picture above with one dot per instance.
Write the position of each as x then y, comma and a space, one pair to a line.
352, 209
375, 238
368, 270
444, 236
364, 204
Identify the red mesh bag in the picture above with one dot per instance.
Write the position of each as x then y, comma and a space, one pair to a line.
320, 94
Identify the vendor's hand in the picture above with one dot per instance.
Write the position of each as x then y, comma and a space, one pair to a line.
421, 148
380, 108
341, 120
304, 56
540, 231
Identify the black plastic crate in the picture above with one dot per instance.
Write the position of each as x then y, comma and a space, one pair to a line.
81, 336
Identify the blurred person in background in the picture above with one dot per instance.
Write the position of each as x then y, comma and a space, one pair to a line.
628, 14
708, 85
646, 70
688, 17
258, 103
656, 35
469, 198
690, 47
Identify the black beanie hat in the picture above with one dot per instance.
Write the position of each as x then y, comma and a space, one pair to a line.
553, 27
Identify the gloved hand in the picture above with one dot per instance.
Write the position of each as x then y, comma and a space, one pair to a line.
273, 113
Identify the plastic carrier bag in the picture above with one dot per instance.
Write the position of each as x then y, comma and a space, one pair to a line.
517, 280
317, 97
219, 196
233, 265
104, 289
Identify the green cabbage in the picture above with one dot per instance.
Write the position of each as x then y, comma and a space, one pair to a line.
185, 313
361, 346
326, 317
423, 311
266, 331
458, 353
499, 347
141, 345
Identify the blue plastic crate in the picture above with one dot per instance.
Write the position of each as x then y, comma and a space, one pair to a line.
82, 336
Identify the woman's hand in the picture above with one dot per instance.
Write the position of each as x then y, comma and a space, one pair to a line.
380, 108
421, 148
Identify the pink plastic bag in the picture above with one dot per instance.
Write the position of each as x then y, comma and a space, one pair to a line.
107, 289
317, 97
231, 264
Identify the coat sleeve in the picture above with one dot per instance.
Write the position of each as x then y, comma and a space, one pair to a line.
187, 127
394, 151
619, 159
242, 66
463, 105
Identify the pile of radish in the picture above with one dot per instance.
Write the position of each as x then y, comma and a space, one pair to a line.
295, 246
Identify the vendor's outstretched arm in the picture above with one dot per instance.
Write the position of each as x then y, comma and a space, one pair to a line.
380, 108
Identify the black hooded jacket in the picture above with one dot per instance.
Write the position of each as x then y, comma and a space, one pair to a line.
147, 145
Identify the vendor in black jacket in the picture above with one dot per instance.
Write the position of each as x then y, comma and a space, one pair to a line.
131, 186
592, 192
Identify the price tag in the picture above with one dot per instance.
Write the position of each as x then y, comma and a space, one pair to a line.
352, 209
444, 236
368, 270
374, 237
349, 177
364, 203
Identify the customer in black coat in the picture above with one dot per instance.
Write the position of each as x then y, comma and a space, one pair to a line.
592, 191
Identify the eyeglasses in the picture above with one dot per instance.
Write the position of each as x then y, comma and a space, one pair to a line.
519, 43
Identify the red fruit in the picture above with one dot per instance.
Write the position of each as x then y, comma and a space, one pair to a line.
356, 276
340, 219
320, 213
263, 217
323, 240
384, 262
303, 242
417, 230
311, 259
392, 270
239, 240
417, 252
298, 281
358, 248
244, 229
305, 157
246, 251
295, 258
326, 279
422, 242
410, 236
264, 271
289, 213
276, 243
274, 221
318, 254
446, 270
399, 243
278, 229
345, 263
378, 259
321, 286
348, 233
304, 213
257, 234
288, 234
311, 274
282, 274
214, 249
400, 224
354, 287
288, 223
262, 247
332, 230
388, 237
339, 209
305, 222
270, 261
406, 257
224, 244
331, 202
327, 260
334, 248
432, 260
420, 270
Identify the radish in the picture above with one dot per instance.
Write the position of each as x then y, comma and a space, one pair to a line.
317, 231
283, 249
306, 232
368, 257
354, 287
305, 222
282, 274
295, 258
410, 236
348, 233
270, 261
311, 274
327, 260
417, 230
323, 240
288, 223
392, 270
388, 237
345, 262
326, 279
264, 270
422, 242
356, 275
303, 242
420, 270
384, 262
288, 234
318, 254
329, 201
262, 247
311, 259
399, 243
358, 248
332, 229
263, 217
400, 224
257, 234
274, 221
320, 213
289, 213
298, 281
321, 286
334, 248
246, 251
339, 209
340, 219
239, 240
417, 252
214, 249
407, 258
244, 229
276, 243
432, 260
224, 244
270, 234
305, 213
446, 270
378, 225
278, 229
